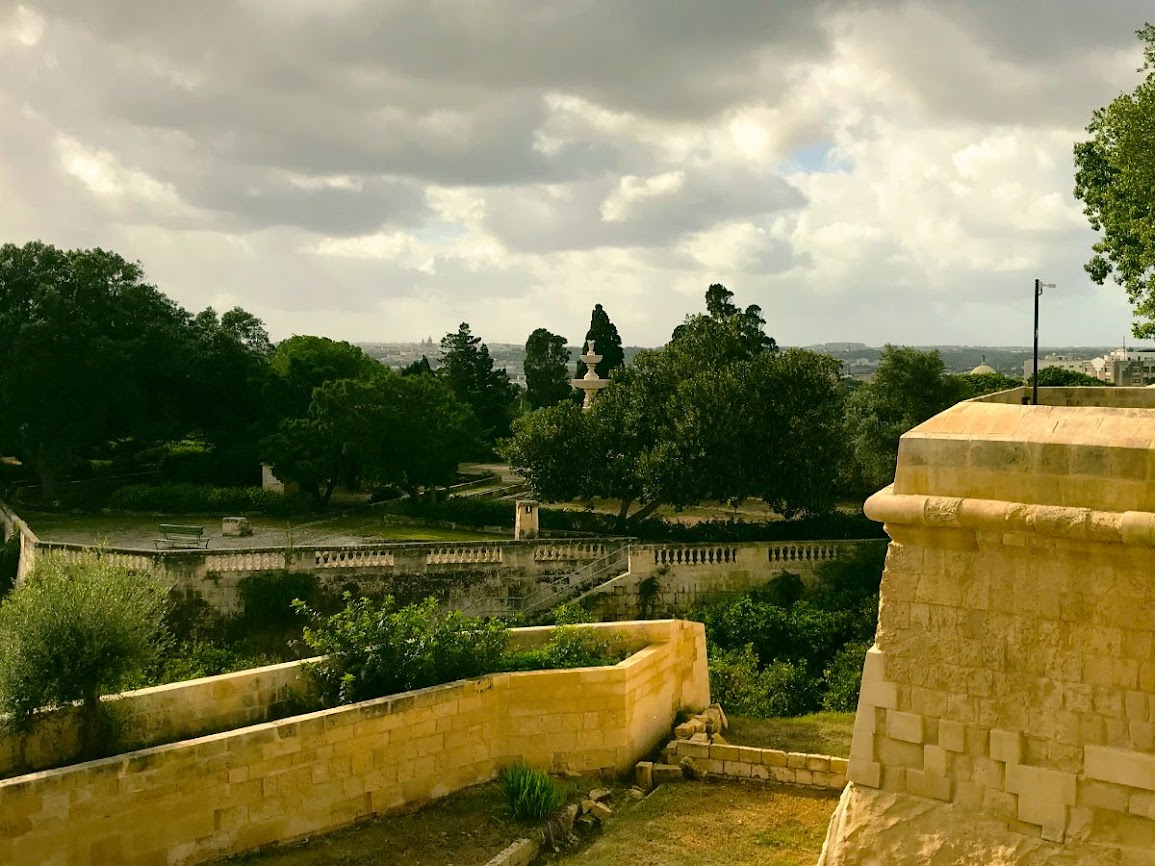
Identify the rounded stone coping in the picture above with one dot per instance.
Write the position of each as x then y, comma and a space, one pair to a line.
948, 512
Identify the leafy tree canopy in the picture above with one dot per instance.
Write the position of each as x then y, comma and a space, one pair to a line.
467, 368
410, 431
709, 417
546, 369
1115, 179
302, 363
1057, 377
74, 631
89, 352
908, 387
607, 343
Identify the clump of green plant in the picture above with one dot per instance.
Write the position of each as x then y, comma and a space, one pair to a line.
376, 648
570, 646
844, 678
745, 688
73, 631
532, 795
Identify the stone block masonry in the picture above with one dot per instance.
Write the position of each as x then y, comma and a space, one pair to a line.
768, 765
1008, 704
221, 794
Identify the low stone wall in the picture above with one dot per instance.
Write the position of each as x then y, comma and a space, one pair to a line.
161, 714
770, 765
669, 579
662, 579
221, 794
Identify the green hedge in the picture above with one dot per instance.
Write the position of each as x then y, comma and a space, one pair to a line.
206, 498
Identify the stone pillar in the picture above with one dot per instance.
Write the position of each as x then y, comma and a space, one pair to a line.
1007, 710
525, 521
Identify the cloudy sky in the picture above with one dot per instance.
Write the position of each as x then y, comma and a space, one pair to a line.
379, 170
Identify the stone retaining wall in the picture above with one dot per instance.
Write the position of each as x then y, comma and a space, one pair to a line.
771, 765
218, 795
161, 714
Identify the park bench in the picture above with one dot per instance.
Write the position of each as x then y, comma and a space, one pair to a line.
176, 535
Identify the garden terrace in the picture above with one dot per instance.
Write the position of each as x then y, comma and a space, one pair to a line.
203, 798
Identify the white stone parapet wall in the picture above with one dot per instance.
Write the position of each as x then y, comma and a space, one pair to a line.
1013, 673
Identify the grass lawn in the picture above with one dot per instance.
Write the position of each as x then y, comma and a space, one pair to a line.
816, 734
713, 824
357, 527
464, 829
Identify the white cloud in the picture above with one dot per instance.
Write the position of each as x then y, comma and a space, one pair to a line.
888, 170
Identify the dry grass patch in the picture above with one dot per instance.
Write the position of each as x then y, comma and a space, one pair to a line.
714, 824
815, 734
464, 829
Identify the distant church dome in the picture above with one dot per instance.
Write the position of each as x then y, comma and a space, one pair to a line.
983, 369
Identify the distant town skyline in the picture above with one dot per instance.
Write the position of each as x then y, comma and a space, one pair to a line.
883, 171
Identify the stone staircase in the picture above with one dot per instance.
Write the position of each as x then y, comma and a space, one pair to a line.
587, 580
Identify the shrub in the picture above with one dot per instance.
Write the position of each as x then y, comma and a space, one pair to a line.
844, 678
782, 688
532, 795
267, 597
192, 659
570, 646
73, 631
375, 648
193, 499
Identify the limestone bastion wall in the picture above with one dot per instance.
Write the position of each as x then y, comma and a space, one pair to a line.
1007, 712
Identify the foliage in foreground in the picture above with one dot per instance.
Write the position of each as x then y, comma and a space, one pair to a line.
773, 653
532, 795
1114, 176
74, 631
375, 648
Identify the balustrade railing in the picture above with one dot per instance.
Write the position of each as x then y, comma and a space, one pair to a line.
698, 555
801, 551
353, 557
463, 555
568, 551
245, 560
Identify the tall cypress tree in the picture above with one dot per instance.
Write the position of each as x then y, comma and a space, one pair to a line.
607, 343
546, 363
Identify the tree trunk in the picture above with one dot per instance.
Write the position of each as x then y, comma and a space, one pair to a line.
643, 512
47, 472
330, 486
620, 523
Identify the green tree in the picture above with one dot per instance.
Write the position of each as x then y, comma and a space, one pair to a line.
908, 387
546, 366
709, 417
1114, 178
74, 631
607, 343
726, 331
302, 363
89, 352
978, 384
467, 368
1057, 377
392, 429
229, 355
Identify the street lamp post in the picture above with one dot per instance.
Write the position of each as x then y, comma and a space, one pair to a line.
1039, 286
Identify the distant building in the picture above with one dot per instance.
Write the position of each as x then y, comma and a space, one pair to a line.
1123, 367
1095, 367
